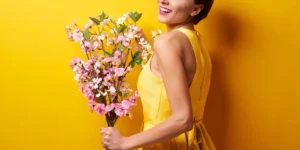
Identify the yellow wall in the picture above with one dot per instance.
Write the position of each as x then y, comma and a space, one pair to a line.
253, 102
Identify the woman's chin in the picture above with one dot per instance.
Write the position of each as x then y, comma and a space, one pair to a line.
163, 20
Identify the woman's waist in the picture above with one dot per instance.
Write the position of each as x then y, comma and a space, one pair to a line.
156, 121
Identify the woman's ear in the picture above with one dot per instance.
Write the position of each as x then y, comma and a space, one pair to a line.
197, 10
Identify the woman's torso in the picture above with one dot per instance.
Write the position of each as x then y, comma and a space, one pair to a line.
155, 102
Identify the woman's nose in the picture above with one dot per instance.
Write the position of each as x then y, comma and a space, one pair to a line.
163, 1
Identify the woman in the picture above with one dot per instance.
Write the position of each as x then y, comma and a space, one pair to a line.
173, 85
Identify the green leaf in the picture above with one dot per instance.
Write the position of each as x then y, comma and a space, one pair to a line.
119, 93
132, 64
102, 16
139, 61
115, 23
95, 20
136, 54
135, 16
131, 15
109, 54
138, 17
121, 29
86, 35
126, 94
121, 47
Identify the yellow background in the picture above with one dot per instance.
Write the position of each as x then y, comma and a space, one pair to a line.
254, 98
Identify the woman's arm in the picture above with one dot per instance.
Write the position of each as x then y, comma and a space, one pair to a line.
168, 52
169, 58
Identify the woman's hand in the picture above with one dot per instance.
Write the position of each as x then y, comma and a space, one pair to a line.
112, 139
140, 34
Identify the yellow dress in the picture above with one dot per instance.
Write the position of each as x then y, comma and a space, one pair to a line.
156, 107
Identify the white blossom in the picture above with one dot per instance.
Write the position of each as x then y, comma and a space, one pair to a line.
121, 20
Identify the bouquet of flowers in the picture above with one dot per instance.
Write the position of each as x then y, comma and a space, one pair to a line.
109, 48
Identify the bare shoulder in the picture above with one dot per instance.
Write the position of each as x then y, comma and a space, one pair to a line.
172, 42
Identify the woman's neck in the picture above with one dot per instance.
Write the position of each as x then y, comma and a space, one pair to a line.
172, 27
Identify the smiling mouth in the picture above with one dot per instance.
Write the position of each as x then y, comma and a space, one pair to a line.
164, 10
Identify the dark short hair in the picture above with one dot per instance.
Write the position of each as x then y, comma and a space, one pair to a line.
204, 12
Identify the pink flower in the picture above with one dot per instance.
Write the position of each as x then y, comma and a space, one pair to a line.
77, 35
126, 42
136, 94
97, 65
75, 61
79, 70
128, 69
109, 84
105, 82
108, 77
110, 107
100, 109
91, 96
97, 71
86, 91
88, 25
123, 89
133, 28
112, 90
113, 60
86, 47
84, 75
77, 77
96, 45
126, 105
109, 42
106, 72
96, 82
119, 110
88, 65
133, 98
91, 104
118, 72
70, 35
124, 108
109, 59
120, 38
117, 53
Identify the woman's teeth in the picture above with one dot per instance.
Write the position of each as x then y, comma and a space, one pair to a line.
165, 10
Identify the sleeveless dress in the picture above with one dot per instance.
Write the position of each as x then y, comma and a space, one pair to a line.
156, 107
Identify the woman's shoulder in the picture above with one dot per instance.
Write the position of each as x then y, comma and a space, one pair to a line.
174, 40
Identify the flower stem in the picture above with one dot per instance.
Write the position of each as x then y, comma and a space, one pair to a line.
126, 58
86, 53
